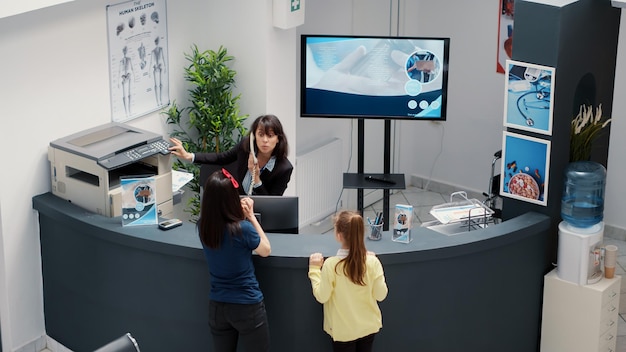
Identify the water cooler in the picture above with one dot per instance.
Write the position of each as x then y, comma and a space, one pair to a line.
581, 233
579, 255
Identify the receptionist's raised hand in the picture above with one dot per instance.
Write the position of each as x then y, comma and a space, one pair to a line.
177, 149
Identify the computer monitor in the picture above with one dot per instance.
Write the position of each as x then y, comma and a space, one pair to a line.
278, 214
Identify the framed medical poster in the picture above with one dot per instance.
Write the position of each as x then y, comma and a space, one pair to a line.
505, 34
529, 97
139, 205
138, 64
525, 165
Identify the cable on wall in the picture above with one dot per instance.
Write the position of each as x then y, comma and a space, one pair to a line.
432, 169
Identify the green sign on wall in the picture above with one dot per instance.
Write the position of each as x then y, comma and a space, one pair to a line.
295, 5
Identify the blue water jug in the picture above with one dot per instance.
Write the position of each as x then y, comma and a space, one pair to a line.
582, 204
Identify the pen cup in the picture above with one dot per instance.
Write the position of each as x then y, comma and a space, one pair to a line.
375, 232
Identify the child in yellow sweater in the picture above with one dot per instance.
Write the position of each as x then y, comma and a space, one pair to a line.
349, 285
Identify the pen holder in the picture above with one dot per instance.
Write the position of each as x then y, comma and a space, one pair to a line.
375, 232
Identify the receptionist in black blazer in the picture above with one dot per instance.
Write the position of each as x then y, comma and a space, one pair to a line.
269, 174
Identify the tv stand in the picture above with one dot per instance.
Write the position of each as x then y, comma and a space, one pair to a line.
373, 181
384, 181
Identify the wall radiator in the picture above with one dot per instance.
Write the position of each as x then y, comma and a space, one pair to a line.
319, 182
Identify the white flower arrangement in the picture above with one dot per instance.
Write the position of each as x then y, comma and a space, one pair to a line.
584, 131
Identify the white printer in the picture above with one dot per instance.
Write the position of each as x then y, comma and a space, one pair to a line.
86, 167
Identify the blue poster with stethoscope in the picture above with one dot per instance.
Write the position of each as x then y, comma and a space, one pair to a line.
529, 97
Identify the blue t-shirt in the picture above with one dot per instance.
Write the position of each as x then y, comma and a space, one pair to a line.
231, 269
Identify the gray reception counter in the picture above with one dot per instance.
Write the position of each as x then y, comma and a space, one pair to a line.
476, 291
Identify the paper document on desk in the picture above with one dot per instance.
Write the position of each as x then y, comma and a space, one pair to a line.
179, 179
446, 215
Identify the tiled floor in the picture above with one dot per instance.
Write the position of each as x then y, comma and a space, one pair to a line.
422, 202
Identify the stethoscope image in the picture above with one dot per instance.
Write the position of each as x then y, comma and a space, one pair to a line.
536, 98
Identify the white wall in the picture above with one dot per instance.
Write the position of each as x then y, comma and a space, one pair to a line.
54, 76
460, 150
14, 7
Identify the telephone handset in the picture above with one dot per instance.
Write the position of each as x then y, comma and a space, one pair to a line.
252, 148
256, 161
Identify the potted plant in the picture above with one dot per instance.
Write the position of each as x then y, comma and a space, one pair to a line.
585, 129
213, 122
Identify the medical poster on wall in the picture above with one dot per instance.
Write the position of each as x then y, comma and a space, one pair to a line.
529, 97
138, 65
505, 34
525, 165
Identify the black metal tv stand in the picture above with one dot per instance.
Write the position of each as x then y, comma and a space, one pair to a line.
384, 181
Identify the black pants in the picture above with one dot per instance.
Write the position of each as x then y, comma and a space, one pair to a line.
239, 323
363, 344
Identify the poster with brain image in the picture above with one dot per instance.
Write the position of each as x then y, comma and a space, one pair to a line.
524, 170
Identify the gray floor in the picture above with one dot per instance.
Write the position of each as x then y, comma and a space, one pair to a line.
422, 201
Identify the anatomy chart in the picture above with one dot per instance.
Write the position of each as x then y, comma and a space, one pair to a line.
138, 64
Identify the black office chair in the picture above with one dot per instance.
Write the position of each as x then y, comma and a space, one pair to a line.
494, 189
124, 343
206, 170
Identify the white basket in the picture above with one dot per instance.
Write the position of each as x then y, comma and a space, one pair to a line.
463, 210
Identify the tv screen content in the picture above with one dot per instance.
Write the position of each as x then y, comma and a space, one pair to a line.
374, 77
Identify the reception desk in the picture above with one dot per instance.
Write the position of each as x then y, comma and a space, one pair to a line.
475, 291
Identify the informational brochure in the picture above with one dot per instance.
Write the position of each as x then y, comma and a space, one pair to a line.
403, 219
139, 203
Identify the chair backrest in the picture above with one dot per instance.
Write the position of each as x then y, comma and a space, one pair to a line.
207, 169
124, 343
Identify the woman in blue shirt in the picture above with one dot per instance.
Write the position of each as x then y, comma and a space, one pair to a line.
229, 232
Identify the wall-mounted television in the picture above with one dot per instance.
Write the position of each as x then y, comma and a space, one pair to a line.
376, 77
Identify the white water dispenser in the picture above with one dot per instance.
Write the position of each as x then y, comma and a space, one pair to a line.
579, 255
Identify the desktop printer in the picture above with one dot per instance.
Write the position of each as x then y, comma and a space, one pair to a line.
86, 167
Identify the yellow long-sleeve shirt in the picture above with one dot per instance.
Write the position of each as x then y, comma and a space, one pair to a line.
350, 311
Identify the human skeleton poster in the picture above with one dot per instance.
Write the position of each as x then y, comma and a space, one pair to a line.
138, 64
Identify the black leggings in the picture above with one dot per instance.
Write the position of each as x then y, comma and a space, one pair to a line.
363, 344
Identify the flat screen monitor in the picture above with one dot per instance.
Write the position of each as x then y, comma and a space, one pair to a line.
374, 77
278, 214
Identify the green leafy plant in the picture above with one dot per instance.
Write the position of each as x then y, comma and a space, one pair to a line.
212, 123
584, 131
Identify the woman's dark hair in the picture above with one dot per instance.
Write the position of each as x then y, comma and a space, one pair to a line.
270, 123
351, 226
220, 210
